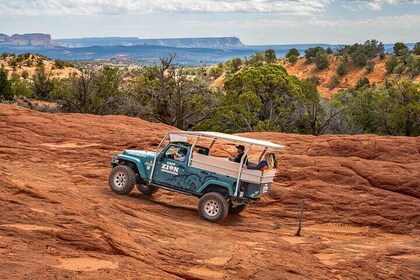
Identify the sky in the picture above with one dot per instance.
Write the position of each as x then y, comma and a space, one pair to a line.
255, 22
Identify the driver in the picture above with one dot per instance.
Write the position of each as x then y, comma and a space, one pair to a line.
183, 153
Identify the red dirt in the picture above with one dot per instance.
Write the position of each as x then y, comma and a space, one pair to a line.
60, 220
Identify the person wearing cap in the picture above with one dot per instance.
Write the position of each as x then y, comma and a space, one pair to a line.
240, 149
183, 153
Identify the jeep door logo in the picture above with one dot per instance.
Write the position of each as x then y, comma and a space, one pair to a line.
170, 167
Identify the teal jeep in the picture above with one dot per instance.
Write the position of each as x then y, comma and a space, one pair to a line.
186, 166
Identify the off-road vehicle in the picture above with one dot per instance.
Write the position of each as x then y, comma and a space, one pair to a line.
184, 166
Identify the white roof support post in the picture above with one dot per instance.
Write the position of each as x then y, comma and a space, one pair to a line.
191, 150
245, 155
157, 154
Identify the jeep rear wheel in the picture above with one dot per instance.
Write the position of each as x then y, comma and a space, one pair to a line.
236, 209
147, 190
122, 179
213, 207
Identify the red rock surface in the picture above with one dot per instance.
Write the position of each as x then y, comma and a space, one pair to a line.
60, 220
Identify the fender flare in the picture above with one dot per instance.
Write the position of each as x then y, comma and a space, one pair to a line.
224, 185
139, 163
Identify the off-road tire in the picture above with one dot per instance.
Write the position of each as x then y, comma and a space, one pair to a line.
147, 190
122, 179
236, 209
213, 207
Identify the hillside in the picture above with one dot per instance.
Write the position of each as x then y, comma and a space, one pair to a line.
60, 219
29, 66
303, 70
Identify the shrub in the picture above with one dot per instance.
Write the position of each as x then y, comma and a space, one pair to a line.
59, 64
370, 65
400, 48
292, 59
312, 52
292, 52
5, 86
335, 81
391, 63
416, 49
342, 68
321, 60
362, 83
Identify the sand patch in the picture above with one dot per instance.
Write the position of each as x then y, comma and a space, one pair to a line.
86, 264
30, 227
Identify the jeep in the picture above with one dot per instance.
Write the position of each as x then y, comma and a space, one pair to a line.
184, 166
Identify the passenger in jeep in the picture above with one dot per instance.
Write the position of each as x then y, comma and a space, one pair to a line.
240, 149
269, 162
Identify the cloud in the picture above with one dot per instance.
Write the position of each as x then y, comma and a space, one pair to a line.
382, 21
94, 7
374, 5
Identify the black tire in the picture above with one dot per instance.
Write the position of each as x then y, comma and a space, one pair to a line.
147, 190
213, 207
122, 179
236, 209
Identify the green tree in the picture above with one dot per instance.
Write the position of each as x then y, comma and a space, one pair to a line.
275, 90
5, 86
59, 64
171, 97
400, 49
321, 60
91, 91
270, 56
42, 84
342, 68
416, 48
292, 55
292, 52
20, 87
234, 64
391, 63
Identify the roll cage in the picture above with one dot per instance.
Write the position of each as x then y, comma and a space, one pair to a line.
181, 137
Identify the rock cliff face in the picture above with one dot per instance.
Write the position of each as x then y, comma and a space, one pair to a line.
60, 220
34, 39
211, 42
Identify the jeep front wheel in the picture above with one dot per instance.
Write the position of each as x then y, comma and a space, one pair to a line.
122, 179
213, 207
147, 190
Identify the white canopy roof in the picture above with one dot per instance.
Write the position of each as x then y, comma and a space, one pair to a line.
228, 138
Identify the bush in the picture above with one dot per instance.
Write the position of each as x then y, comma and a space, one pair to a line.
359, 57
321, 60
270, 56
292, 52
5, 86
391, 63
292, 59
342, 68
416, 49
312, 52
362, 83
370, 65
335, 81
400, 49
59, 64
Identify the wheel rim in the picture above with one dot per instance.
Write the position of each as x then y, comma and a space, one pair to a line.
211, 208
119, 179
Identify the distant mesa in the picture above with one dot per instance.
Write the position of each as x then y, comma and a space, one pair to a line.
40, 39
33, 39
207, 42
